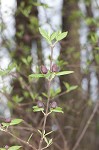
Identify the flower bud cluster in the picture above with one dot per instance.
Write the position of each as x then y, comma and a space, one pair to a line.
44, 70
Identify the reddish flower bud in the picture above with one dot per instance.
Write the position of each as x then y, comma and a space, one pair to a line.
53, 104
7, 120
54, 68
44, 70
40, 104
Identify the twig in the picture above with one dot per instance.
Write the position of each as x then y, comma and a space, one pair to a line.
46, 112
22, 141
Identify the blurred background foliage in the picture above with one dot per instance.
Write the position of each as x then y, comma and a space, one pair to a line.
23, 51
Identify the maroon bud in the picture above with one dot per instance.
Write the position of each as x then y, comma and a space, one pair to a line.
7, 120
40, 104
54, 68
53, 104
44, 70
6, 147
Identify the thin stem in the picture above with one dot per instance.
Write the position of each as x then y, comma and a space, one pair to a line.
45, 117
51, 59
22, 141
46, 112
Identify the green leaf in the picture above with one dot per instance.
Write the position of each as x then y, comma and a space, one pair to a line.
36, 109
71, 88
57, 109
61, 36
2, 149
36, 76
64, 73
40, 75
53, 36
17, 99
66, 85
54, 92
7, 71
15, 121
45, 35
41, 4
44, 94
14, 147
5, 124
24, 60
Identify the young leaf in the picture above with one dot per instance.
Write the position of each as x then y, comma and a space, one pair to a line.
64, 73
71, 88
14, 147
61, 36
40, 75
53, 35
5, 124
16, 121
66, 85
57, 109
36, 76
45, 35
44, 94
36, 109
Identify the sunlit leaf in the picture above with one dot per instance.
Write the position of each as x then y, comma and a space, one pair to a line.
36, 76
61, 36
71, 88
16, 121
40, 75
36, 109
57, 109
53, 35
64, 73
5, 124
14, 147
44, 94
45, 35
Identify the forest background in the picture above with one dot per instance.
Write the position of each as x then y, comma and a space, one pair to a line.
23, 51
